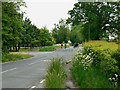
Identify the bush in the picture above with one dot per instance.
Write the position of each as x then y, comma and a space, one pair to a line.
86, 74
106, 56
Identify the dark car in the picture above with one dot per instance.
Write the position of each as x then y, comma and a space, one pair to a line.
75, 45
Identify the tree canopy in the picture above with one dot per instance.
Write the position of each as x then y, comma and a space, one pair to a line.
17, 32
101, 16
61, 32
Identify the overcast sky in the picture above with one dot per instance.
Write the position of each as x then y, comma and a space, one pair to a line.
47, 12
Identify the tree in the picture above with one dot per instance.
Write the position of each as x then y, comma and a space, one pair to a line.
11, 24
45, 37
76, 34
96, 15
61, 32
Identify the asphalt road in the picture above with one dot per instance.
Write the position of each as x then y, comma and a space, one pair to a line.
29, 72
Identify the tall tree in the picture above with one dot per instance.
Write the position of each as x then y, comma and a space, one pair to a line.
76, 35
11, 24
98, 15
61, 32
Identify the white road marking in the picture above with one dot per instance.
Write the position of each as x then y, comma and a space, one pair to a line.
33, 86
42, 81
39, 61
46, 60
8, 70
31, 63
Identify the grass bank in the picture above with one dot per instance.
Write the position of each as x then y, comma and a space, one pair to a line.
55, 74
14, 57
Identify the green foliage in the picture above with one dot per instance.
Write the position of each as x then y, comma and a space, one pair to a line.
52, 48
11, 23
17, 32
14, 57
61, 32
86, 74
97, 15
48, 48
106, 56
76, 34
45, 37
56, 74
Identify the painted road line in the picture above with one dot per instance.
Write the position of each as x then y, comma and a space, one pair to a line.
33, 87
42, 81
8, 70
46, 60
31, 63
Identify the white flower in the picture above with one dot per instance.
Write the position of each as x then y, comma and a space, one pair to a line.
116, 75
113, 79
84, 56
89, 53
115, 83
110, 79
87, 57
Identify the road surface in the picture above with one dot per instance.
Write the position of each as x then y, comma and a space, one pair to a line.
29, 72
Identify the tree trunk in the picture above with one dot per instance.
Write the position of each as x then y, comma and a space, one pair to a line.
13, 47
18, 47
10, 48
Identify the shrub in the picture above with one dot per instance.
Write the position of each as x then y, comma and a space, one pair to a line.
86, 74
106, 56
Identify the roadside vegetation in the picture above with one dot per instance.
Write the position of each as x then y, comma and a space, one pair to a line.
55, 77
52, 48
14, 57
97, 65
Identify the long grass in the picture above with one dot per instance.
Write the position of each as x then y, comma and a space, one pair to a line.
55, 75
90, 78
14, 57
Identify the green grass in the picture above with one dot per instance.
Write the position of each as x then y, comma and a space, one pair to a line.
26, 49
49, 48
52, 48
14, 57
55, 75
92, 77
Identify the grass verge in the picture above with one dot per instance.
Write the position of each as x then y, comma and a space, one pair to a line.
90, 78
14, 57
56, 74
52, 48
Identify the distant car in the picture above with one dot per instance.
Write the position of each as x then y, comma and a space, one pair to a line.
75, 45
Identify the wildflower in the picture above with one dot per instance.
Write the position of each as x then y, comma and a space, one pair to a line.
89, 53
110, 79
115, 83
116, 75
113, 79
87, 57
83, 56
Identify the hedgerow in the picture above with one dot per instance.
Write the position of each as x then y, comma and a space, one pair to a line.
106, 56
